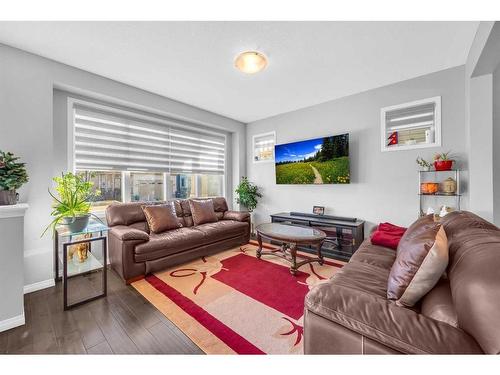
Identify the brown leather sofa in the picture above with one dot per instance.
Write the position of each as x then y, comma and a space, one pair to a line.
135, 252
350, 314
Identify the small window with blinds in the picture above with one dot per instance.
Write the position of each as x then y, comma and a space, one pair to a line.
411, 125
263, 147
137, 159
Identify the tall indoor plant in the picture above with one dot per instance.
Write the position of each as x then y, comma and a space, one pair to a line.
12, 176
247, 195
73, 201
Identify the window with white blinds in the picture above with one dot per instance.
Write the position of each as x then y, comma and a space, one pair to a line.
109, 141
411, 125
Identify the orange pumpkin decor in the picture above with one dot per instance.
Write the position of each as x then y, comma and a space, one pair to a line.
429, 187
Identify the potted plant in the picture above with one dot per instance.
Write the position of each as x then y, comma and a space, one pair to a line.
12, 176
442, 161
247, 195
72, 205
426, 166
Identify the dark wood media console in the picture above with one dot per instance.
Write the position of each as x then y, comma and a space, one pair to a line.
344, 235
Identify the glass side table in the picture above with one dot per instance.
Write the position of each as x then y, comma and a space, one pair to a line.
82, 253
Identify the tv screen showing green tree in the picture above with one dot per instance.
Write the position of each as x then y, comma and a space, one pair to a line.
314, 161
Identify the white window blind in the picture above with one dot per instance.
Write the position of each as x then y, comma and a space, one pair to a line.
109, 141
412, 124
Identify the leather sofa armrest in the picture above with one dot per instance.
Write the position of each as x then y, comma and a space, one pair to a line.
125, 233
236, 215
379, 319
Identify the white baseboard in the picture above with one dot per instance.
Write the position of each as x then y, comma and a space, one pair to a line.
38, 286
12, 322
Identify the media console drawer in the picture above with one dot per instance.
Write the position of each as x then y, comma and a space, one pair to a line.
343, 237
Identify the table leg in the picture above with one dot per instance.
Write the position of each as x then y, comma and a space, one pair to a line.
293, 255
56, 255
259, 240
320, 256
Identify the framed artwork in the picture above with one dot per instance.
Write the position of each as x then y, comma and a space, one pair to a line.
318, 210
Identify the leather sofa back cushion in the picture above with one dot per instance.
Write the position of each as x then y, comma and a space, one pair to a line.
202, 211
438, 304
474, 274
161, 218
418, 266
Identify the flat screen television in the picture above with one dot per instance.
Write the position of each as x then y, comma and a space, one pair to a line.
314, 161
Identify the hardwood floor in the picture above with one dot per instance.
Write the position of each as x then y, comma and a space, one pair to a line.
122, 323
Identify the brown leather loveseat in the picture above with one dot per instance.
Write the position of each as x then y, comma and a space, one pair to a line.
351, 314
135, 252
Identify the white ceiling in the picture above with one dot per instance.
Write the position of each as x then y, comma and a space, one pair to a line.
309, 62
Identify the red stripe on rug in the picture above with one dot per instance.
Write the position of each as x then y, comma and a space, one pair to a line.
236, 342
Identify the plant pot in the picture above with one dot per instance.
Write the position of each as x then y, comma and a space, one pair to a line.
443, 165
77, 223
8, 197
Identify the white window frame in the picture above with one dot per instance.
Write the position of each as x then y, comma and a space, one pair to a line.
437, 125
71, 102
254, 137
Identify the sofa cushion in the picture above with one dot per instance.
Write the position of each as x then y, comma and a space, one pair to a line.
220, 204
419, 226
381, 320
236, 215
168, 243
202, 211
378, 256
438, 304
221, 230
186, 213
419, 265
161, 218
474, 276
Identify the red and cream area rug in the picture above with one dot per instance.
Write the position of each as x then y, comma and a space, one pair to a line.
234, 303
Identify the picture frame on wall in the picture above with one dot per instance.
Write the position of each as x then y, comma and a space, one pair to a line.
318, 210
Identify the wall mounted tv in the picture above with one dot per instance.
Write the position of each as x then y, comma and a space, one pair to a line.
315, 161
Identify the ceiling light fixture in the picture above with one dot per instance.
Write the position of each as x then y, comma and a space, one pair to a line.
250, 62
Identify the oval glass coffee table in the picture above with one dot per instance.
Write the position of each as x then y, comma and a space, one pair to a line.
290, 237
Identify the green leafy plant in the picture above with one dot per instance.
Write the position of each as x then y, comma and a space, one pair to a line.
12, 173
443, 156
423, 163
247, 194
75, 193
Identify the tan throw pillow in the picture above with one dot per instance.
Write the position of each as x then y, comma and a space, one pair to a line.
161, 217
202, 211
419, 226
419, 265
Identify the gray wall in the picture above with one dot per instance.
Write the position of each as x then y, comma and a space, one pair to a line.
384, 185
11, 276
27, 84
481, 105
496, 145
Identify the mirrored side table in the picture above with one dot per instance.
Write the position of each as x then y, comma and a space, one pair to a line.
79, 257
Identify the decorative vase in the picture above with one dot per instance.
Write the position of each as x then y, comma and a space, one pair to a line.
449, 186
443, 165
429, 187
8, 197
76, 224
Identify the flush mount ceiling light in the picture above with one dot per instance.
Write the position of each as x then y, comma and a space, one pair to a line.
250, 62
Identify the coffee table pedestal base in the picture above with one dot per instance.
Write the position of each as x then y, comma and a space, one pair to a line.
288, 251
